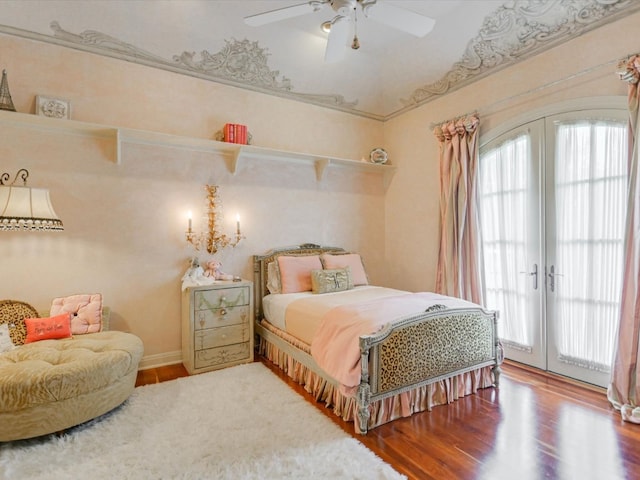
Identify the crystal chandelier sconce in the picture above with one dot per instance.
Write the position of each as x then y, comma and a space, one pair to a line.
213, 240
24, 208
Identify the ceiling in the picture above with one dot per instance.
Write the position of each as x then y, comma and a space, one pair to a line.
390, 73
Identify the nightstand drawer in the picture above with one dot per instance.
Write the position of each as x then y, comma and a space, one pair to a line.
217, 325
217, 337
221, 317
221, 297
221, 355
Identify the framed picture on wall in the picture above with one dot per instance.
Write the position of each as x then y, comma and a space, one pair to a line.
53, 107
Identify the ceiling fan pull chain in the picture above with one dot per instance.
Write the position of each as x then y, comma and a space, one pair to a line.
356, 43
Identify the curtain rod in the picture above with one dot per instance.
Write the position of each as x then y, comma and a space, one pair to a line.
488, 109
454, 119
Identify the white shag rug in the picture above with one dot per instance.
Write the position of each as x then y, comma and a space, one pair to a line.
237, 423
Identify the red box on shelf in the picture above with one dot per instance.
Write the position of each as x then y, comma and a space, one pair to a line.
235, 133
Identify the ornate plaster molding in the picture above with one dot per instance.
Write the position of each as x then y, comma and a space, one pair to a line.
241, 63
93, 38
517, 30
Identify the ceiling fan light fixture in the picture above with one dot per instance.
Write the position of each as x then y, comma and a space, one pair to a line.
346, 11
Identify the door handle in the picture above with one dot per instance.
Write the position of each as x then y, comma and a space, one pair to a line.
552, 278
534, 274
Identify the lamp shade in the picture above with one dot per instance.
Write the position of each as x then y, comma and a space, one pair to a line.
26, 208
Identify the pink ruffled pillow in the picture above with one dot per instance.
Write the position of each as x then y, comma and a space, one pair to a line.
54, 327
352, 260
295, 272
85, 310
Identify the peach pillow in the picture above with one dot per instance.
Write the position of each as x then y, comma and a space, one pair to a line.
85, 310
48, 328
352, 260
295, 272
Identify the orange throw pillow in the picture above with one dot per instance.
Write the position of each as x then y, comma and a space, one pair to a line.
48, 328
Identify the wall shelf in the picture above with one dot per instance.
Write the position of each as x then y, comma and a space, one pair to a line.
232, 153
56, 125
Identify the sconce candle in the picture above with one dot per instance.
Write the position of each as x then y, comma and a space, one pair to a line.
212, 239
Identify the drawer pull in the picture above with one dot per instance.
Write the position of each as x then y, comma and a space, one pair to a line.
223, 312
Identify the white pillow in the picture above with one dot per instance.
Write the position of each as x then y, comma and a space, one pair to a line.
273, 278
6, 345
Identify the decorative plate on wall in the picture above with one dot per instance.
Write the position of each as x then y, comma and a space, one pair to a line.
53, 107
378, 155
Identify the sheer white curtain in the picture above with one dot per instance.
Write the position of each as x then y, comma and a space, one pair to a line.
590, 207
505, 205
582, 212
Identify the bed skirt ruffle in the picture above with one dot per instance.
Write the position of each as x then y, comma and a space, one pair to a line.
382, 411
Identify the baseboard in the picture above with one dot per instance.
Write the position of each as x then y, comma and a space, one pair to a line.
557, 376
160, 360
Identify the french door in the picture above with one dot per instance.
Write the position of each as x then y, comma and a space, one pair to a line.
552, 201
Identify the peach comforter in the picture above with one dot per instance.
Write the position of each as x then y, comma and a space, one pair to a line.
336, 345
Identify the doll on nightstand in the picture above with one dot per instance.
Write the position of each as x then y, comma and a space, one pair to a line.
212, 269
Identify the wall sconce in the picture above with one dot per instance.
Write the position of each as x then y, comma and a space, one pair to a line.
213, 240
25, 208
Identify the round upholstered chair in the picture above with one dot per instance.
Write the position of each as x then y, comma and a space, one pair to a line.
48, 386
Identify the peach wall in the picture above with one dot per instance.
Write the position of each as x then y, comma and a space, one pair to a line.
115, 92
125, 223
584, 67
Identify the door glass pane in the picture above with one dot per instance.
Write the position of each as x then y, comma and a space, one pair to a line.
590, 209
505, 209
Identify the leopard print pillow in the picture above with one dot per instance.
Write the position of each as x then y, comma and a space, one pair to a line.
13, 313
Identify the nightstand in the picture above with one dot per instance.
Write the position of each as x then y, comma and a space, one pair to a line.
217, 325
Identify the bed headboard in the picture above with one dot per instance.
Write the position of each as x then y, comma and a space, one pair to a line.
260, 263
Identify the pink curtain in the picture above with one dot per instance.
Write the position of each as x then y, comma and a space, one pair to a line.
624, 390
458, 272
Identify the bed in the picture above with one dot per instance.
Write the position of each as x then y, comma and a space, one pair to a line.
417, 351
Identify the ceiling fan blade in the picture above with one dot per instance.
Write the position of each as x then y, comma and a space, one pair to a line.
337, 41
399, 18
283, 13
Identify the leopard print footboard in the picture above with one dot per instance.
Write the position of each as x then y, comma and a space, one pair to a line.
430, 346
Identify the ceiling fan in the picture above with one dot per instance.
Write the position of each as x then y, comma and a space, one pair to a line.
346, 12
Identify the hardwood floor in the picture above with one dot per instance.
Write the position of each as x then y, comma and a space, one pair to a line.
535, 426
162, 374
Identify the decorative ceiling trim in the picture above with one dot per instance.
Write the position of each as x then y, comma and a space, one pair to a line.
241, 64
517, 30
238, 61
